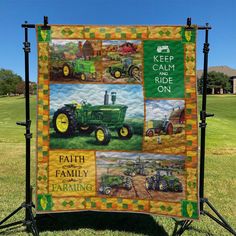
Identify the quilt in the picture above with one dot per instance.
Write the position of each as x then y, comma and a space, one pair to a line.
117, 125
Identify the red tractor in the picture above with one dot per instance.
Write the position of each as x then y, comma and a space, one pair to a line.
159, 126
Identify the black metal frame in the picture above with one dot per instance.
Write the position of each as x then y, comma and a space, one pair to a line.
29, 220
181, 226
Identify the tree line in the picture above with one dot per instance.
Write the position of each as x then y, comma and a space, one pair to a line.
12, 84
217, 82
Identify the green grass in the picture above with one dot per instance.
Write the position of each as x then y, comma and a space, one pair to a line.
220, 180
89, 142
79, 141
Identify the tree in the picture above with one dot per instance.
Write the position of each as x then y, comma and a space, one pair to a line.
4, 88
20, 87
215, 82
8, 82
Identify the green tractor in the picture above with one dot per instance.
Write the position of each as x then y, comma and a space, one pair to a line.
137, 168
108, 182
164, 180
87, 118
79, 68
126, 68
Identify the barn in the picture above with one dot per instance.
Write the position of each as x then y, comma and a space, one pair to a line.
177, 116
88, 50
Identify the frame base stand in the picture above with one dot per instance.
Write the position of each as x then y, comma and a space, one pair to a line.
181, 226
29, 222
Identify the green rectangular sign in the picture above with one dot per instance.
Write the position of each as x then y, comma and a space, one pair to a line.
164, 68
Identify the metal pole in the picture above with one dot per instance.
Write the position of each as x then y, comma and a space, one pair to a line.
29, 220
28, 135
203, 116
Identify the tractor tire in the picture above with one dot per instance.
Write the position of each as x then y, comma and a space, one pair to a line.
107, 190
66, 70
162, 186
169, 129
117, 73
125, 132
102, 135
149, 133
133, 71
64, 122
178, 188
149, 184
128, 185
82, 77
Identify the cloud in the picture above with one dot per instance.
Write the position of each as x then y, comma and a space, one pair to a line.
158, 109
65, 41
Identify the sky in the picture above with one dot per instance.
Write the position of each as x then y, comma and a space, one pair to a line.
158, 110
129, 95
218, 13
126, 155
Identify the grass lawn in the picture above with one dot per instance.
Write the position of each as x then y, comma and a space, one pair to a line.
89, 141
220, 180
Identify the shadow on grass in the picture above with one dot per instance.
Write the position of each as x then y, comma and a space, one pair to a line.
129, 222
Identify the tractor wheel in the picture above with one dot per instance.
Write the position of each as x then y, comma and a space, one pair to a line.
149, 133
66, 70
169, 129
163, 186
102, 135
133, 71
82, 76
125, 132
148, 184
85, 129
117, 73
128, 185
178, 188
64, 121
107, 190
94, 75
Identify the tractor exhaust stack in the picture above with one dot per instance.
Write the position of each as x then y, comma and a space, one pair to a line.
106, 98
113, 97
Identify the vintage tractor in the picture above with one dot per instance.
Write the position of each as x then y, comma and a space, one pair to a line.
108, 182
79, 68
87, 118
164, 180
137, 168
159, 126
126, 68
172, 125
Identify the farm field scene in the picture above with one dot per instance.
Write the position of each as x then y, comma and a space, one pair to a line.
111, 61
220, 179
75, 61
151, 143
165, 126
122, 61
132, 176
109, 119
